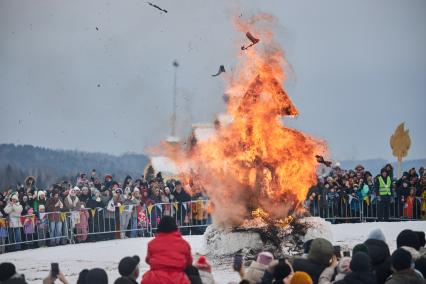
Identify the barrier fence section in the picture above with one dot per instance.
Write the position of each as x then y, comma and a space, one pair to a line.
376, 208
99, 224
192, 217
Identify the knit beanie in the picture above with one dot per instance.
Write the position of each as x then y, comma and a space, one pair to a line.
401, 259
360, 248
408, 238
202, 264
360, 262
265, 258
321, 251
376, 234
344, 265
300, 277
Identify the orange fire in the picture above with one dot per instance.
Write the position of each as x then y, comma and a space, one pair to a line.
255, 161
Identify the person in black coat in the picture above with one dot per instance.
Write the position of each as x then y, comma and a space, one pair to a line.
182, 197
379, 253
96, 217
360, 271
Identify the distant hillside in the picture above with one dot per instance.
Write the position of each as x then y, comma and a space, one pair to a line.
375, 165
50, 166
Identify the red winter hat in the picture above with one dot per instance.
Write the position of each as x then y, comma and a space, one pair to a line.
202, 264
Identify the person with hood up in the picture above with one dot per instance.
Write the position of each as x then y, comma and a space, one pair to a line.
205, 270
168, 255
257, 268
129, 270
379, 253
319, 258
402, 265
14, 210
360, 267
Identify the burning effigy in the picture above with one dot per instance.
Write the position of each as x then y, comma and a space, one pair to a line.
255, 168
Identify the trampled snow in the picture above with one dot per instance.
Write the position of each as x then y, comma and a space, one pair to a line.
35, 263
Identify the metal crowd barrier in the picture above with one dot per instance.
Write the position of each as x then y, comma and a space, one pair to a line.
99, 224
369, 209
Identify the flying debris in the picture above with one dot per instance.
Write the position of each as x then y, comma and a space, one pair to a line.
221, 70
320, 159
252, 39
157, 7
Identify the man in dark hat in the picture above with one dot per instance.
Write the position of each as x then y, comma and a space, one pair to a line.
129, 270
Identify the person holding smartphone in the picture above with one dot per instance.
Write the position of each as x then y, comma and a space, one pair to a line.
55, 274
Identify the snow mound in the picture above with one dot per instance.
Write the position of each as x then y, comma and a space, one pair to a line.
317, 228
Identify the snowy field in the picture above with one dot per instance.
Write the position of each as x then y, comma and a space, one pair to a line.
35, 264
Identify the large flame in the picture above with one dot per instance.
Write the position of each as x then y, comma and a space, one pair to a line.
255, 161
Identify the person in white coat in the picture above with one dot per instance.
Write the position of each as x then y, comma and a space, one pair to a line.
14, 209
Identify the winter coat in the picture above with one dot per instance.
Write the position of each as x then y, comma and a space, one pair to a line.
206, 277
84, 219
168, 255
358, 278
37, 203
380, 259
254, 272
51, 207
313, 269
71, 203
14, 211
408, 276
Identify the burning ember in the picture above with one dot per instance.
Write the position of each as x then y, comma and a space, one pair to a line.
255, 163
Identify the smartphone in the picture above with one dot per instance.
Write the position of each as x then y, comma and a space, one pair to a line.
55, 269
337, 252
238, 262
347, 253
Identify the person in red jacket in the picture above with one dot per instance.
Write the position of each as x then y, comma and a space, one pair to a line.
168, 255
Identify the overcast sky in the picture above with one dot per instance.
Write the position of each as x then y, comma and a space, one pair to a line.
359, 69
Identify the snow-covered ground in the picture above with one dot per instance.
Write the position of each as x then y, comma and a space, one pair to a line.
35, 264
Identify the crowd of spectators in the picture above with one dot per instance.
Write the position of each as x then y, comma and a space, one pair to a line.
344, 194
170, 261
95, 209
